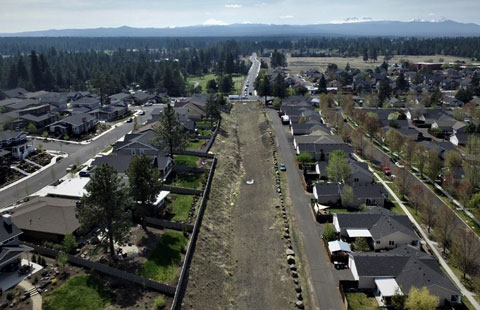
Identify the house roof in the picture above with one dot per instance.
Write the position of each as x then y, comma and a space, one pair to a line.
6, 102
23, 104
77, 119
339, 245
8, 231
407, 265
48, 215
15, 92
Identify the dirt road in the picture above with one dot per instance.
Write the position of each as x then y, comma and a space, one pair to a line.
239, 262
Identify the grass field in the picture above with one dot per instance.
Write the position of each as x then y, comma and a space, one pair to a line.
360, 301
203, 80
186, 160
196, 145
162, 265
299, 64
181, 206
81, 292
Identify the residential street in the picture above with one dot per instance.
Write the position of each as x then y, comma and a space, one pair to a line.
77, 155
322, 277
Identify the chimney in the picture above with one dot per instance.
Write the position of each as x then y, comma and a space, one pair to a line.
7, 219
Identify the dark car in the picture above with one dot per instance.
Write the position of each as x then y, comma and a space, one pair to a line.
130, 120
283, 167
84, 174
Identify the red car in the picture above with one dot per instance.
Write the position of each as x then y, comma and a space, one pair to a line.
387, 171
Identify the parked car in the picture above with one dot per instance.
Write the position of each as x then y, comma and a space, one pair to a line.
84, 174
71, 167
148, 104
387, 171
283, 167
142, 112
130, 120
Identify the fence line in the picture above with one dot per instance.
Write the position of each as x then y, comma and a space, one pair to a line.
182, 190
154, 222
114, 272
181, 285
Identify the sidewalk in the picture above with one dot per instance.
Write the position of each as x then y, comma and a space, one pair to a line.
466, 293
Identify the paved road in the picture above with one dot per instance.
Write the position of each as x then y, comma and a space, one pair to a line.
78, 154
248, 85
320, 270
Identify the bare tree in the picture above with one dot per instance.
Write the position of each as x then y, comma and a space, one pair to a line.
403, 180
415, 194
427, 211
466, 249
358, 140
445, 225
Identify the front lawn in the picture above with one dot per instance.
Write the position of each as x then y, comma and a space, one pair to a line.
360, 301
191, 180
162, 265
181, 205
81, 292
186, 160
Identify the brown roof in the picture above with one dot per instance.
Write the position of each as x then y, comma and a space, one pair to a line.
46, 214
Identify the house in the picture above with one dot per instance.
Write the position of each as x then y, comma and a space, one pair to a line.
75, 125
112, 111
182, 114
46, 219
461, 138
58, 101
321, 151
140, 97
360, 172
321, 136
330, 194
124, 97
446, 125
10, 247
383, 228
21, 105
16, 143
441, 148
90, 103
397, 271
13, 93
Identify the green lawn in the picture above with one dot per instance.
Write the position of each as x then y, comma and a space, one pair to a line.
162, 265
205, 123
181, 205
342, 210
360, 301
205, 132
192, 180
81, 292
186, 160
196, 145
203, 80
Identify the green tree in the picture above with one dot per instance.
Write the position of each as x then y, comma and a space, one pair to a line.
338, 168
212, 86
263, 86
384, 90
453, 159
170, 134
32, 128
434, 164
347, 195
279, 87
305, 158
225, 84
394, 140
322, 85
69, 243
329, 232
421, 300
445, 225
474, 203
361, 245
105, 206
213, 109
144, 185
398, 300
419, 157
401, 82
61, 261
45, 134
464, 95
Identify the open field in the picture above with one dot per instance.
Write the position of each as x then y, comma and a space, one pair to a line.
228, 271
299, 64
203, 80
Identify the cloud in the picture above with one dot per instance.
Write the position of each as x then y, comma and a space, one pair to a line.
214, 22
286, 16
351, 20
262, 4
233, 6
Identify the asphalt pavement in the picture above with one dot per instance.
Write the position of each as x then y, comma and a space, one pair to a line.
319, 269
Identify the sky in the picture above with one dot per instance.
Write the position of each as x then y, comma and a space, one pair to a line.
30, 15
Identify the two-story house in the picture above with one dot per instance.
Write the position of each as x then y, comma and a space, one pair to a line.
16, 143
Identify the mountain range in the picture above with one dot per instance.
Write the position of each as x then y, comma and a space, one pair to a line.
446, 28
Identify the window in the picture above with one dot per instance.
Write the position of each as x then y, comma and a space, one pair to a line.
356, 180
377, 242
391, 242
368, 202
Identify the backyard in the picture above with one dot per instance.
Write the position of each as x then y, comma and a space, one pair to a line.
180, 207
360, 301
162, 265
190, 180
186, 160
81, 292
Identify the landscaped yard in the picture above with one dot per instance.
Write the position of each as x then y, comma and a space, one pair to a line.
197, 145
186, 160
181, 205
203, 80
204, 132
360, 301
81, 292
191, 180
162, 265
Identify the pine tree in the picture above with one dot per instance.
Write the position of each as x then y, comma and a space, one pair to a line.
170, 135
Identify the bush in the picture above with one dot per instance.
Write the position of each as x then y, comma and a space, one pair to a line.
305, 158
329, 232
159, 303
474, 202
66, 137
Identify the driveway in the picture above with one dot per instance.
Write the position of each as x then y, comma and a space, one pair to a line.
322, 278
36, 299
